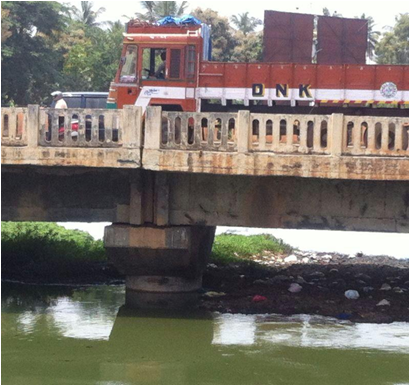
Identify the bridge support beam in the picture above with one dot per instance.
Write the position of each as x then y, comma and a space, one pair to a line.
163, 265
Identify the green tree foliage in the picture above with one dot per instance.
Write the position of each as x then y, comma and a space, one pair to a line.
249, 47
393, 48
245, 23
155, 10
92, 56
223, 40
44, 49
30, 64
5, 25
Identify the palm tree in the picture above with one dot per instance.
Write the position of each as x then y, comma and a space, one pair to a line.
326, 12
158, 9
149, 15
372, 36
245, 23
87, 15
115, 26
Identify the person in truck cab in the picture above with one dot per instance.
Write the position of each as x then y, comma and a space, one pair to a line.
160, 73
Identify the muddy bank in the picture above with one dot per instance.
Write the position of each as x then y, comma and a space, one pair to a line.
318, 282
312, 284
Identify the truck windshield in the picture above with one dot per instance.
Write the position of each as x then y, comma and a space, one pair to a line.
129, 65
154, 63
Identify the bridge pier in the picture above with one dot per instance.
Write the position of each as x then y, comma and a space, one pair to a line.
163, 265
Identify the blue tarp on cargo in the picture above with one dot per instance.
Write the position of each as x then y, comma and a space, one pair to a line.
189, 20
184, 20
168, 20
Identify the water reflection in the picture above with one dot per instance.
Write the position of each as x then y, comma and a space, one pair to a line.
66, 335
309, 331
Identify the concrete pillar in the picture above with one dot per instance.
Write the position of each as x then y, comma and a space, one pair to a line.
163, 265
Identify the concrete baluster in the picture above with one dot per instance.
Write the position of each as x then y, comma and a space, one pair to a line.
398, 144
132, 127
244, 131
153, 124
335, 132
33, 125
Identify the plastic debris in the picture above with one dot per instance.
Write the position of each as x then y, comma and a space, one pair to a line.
385, 287
213, 294
398, 290
352, 294
344, 316
259, 298
290, 259
300, 280
383, 302
295, 288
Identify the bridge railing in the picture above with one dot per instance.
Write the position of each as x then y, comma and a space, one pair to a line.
196, 131
80, 128
241, 132
384, 136
34, 126
14, 126
334, 134
290, 133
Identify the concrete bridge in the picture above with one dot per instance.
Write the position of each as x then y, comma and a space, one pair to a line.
165, 182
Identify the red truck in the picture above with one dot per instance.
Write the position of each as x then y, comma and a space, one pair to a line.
170, 66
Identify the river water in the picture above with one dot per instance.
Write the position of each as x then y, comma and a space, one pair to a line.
64, 335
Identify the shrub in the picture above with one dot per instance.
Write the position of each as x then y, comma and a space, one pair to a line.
38, 242
232, 248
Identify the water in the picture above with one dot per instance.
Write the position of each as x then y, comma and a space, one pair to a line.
63, 335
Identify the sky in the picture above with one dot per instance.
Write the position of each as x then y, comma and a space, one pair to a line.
383, 12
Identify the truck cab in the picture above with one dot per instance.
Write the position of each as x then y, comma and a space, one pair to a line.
159, 66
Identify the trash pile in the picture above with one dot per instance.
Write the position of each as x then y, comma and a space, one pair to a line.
358, 288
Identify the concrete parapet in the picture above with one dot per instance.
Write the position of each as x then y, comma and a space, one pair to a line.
243, 143
72, 137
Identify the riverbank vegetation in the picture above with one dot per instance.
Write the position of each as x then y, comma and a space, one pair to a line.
42, 241
39, 242
38, 250
230, 248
